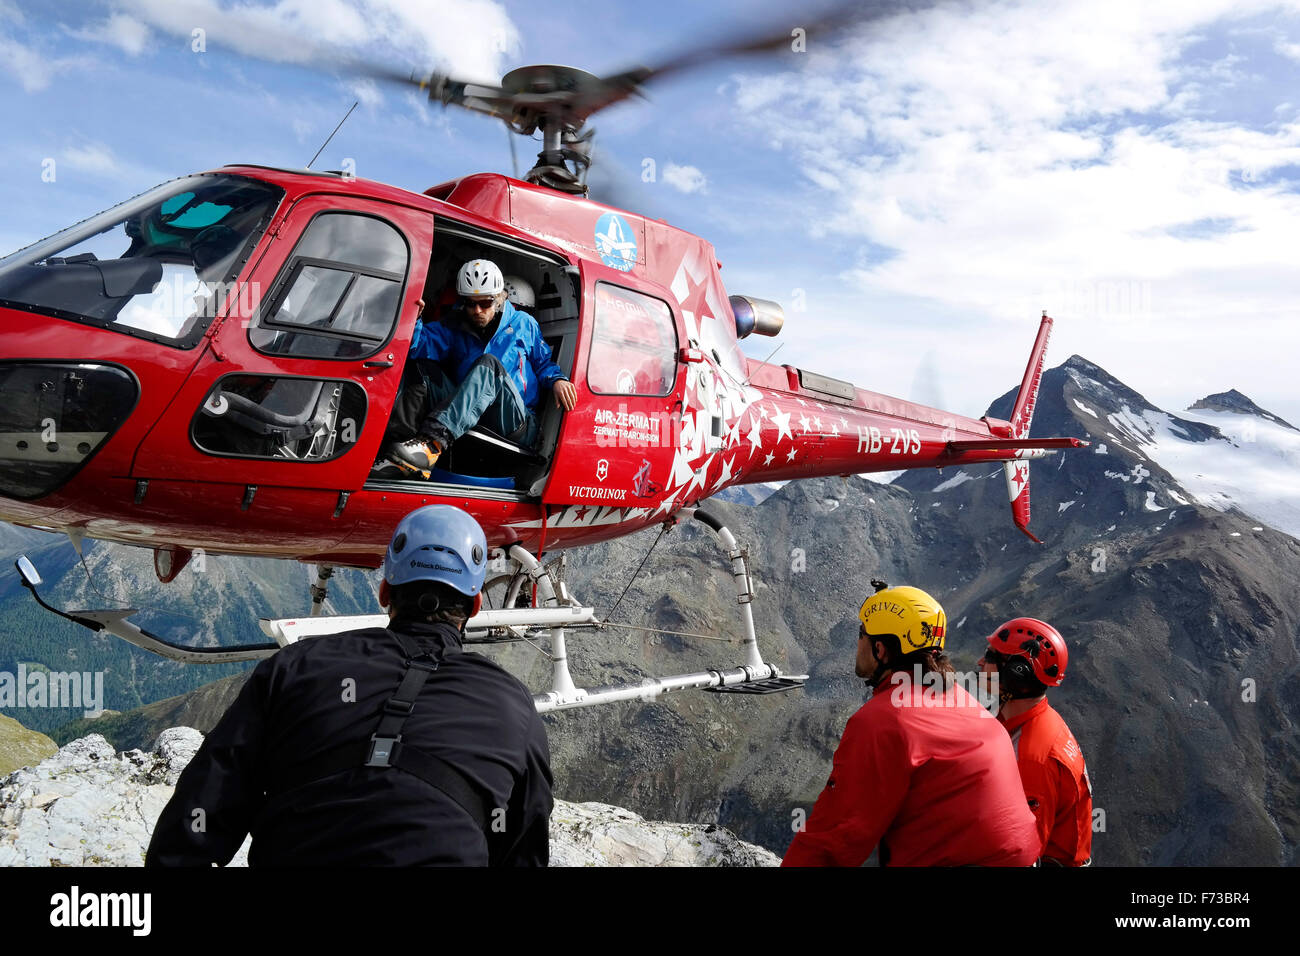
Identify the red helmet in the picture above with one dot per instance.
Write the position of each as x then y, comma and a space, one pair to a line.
1038, 642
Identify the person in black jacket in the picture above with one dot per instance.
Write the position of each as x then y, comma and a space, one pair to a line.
383, 746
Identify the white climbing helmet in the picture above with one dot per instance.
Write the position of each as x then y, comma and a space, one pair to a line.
479, 277
520, 293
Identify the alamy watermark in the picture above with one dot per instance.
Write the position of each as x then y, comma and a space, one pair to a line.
1101, 298
42, 688
932, 689
76, 909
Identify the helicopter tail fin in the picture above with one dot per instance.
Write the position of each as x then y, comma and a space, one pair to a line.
1022, 415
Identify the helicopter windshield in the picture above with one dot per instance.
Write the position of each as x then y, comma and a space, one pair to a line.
157, 266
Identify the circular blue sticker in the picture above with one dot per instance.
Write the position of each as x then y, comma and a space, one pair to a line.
616, 242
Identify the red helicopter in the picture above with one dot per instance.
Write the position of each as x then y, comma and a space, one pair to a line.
212, 365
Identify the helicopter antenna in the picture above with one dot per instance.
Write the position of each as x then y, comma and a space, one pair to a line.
764, 362
331, 135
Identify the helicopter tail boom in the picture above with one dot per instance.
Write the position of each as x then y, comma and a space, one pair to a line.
807, 425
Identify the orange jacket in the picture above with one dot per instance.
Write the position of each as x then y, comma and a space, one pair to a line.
1056, 784
928, 775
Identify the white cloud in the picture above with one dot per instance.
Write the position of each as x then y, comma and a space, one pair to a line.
34, 68
686, 179
993, 147
121, 30
1289, 50
467, 38
366, 92
94, 158
1012, 157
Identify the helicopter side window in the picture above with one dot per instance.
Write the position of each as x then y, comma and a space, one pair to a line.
261, 416
634, 345
159, 266
341, 293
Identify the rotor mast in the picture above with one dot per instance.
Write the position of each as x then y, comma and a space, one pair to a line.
557, 100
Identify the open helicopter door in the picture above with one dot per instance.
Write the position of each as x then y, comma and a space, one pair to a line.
281, 419
616, 448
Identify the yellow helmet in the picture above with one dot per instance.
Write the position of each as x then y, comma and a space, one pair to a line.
911, 615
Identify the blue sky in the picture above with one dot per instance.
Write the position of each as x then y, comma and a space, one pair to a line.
914, 193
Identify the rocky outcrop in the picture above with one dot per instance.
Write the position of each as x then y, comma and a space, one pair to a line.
597, 834
89, 805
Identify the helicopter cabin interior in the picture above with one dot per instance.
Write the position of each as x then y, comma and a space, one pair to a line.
311, 315
482, 458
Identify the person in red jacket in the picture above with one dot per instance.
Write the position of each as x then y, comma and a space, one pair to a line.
922, 770
1029, 657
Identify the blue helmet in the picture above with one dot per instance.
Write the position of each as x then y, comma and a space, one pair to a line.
438, 543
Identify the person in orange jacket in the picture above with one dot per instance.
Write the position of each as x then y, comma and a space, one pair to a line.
922, 770
1029, 656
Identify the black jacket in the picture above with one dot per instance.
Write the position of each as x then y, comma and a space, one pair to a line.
322, 691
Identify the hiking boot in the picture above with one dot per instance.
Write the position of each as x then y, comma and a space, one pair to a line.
415, 456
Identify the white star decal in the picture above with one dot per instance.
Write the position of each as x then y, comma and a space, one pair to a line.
782, 422
1019, 477
726, 473
803, 423
817, 424
756, 436
768, 459
835, 430
802, 402
790, 456
844, 422
762, 412
820, 406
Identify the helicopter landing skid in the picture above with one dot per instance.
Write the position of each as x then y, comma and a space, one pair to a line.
556, 614
753, 676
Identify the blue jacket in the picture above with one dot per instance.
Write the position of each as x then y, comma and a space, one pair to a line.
517, 344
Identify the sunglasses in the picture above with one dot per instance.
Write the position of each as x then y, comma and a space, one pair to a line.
487, 303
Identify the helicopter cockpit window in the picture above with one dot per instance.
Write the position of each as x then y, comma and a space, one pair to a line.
634, 346
160, 266
341, 291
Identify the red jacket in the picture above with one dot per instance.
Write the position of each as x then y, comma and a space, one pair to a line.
1056, 783
931, 777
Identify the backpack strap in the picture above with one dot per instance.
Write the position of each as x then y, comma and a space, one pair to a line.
387, 749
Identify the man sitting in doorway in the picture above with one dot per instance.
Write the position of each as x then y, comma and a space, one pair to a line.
487, 362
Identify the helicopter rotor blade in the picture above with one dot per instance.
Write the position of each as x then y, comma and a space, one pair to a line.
441, 88
592, 94
830, 22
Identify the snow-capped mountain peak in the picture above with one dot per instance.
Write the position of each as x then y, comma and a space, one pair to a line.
1223, 452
